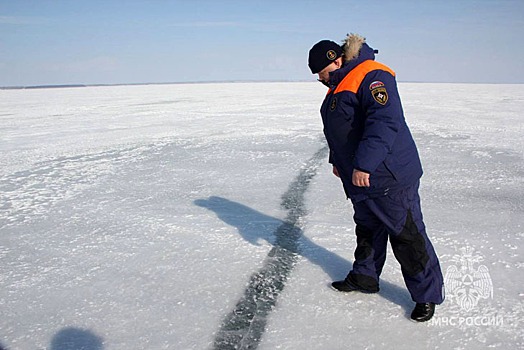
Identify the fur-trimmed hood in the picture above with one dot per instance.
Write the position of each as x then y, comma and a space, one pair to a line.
351, 46
355, 51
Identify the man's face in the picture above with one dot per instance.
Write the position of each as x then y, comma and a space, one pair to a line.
323, 75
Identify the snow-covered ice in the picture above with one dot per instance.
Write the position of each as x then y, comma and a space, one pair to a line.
205, 216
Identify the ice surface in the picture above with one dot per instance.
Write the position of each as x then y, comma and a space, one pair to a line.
140, 217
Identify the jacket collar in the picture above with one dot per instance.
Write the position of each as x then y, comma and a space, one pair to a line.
365, 53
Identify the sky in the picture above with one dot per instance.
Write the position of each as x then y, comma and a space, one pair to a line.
119, 42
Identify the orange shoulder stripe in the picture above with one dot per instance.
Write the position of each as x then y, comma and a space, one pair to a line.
353, 80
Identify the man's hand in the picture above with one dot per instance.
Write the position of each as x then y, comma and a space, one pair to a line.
360, 178
335, 171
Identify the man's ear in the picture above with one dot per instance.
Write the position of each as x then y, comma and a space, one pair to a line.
338, 62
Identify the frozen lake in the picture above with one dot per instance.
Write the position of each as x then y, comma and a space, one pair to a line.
205, 216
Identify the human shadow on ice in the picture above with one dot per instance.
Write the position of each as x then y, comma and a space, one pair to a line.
72, 338
254, 226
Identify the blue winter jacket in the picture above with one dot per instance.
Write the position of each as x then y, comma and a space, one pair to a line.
365, 128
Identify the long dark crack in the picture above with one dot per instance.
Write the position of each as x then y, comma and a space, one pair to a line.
244, 326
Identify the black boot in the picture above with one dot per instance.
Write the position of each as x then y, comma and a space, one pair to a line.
423, 312
347, 286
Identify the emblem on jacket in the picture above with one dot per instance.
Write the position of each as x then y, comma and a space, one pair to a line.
378, 91
468, 283
333, 104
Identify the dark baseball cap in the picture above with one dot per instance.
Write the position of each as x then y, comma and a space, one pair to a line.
322, 54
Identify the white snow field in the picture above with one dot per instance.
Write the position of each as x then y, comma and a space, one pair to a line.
205, 216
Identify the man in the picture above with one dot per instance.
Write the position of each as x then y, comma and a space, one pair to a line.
373, 153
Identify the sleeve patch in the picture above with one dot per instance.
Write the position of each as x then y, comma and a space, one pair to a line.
380, 95
378, 91
376, 84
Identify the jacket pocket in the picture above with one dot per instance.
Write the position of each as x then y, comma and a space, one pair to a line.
389, 169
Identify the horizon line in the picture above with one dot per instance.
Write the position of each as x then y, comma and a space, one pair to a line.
61, 86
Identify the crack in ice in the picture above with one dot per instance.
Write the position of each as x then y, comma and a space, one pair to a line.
244, 326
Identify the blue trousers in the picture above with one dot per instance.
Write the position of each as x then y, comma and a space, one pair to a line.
397, 216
